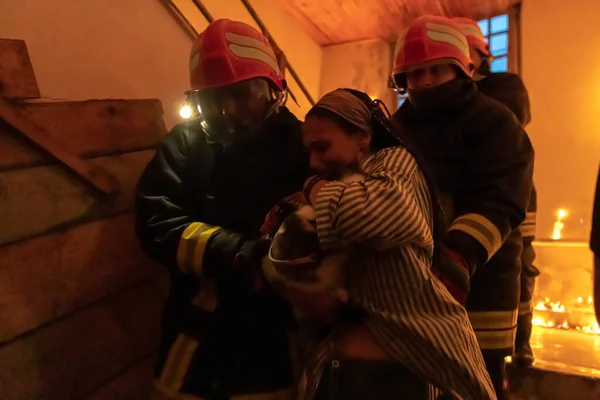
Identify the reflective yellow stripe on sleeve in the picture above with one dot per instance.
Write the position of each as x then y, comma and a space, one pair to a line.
481, 229
190, 253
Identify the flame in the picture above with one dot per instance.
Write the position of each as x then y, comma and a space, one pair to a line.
555, 314
559, 224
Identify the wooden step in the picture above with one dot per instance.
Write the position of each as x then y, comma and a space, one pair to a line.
87, 128
17, 79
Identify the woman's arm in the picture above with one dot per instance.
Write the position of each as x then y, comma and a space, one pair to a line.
390, 207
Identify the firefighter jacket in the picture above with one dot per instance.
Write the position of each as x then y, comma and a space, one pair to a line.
509, 89
197, 205
482, 162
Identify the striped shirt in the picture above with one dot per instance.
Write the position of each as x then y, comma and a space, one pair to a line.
386, 222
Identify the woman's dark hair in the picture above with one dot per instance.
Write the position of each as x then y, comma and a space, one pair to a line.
384, 135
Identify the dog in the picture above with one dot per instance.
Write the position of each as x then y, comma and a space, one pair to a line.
295, 260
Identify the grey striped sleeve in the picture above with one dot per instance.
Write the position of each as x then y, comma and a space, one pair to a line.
382, 211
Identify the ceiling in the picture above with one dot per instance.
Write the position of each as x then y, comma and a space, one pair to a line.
330, 22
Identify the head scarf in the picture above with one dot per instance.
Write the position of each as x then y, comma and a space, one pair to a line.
348, 107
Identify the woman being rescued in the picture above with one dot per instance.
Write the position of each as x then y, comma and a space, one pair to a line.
412, 336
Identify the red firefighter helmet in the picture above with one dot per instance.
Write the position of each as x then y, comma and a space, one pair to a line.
228, 52
470, 28
430, 40
235, 80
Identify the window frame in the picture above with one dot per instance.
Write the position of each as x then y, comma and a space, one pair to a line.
489, 35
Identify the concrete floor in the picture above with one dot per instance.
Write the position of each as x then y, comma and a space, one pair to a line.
566, 351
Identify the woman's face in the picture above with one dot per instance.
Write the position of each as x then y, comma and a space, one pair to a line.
332, 149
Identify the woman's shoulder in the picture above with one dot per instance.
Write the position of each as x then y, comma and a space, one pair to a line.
396, 158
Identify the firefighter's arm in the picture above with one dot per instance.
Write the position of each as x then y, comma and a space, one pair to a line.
494, 196
382, 210
166, 215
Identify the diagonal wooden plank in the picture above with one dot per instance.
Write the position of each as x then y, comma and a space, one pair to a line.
90, 174
40, 200
90, 128
53, 275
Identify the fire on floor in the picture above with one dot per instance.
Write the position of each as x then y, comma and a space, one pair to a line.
566, 335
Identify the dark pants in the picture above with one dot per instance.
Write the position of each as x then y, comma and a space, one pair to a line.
496, 367
352, 379
523, 354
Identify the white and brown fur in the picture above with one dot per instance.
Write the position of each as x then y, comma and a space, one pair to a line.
297, 238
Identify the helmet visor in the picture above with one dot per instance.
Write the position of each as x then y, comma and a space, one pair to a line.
233, 113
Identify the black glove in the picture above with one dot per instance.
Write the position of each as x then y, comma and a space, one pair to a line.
247, 262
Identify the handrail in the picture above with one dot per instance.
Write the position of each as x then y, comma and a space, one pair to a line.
203, 10
180, 18
262, 26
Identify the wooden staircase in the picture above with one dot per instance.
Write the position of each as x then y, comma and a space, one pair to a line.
79, 302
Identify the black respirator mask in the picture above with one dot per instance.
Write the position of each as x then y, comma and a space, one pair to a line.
441, 98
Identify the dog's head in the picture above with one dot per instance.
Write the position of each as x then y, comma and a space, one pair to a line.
294, 250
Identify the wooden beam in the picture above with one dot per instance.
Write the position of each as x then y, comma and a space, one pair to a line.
90, 128
45, 199
90, 174
17, 80
54, 275
72, 356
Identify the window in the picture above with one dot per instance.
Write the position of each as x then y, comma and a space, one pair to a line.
495, 30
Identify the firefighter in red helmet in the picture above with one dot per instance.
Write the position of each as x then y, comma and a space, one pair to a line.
482, 162
200, 204
509, 89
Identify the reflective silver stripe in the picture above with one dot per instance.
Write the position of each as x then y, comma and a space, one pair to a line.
447, 34
496, 340
493, 319
178, 362
526, 307
527, 230
481, 229
530, 217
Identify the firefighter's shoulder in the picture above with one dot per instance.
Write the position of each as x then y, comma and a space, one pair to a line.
487, 116
506, 81
184, 135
